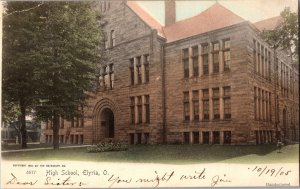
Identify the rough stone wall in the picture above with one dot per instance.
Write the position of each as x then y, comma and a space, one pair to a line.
236, 78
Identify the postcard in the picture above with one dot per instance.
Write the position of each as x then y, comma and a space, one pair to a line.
149, 94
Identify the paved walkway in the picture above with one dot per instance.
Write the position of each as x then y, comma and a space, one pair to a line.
36, 149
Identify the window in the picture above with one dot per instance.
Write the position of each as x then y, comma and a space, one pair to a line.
254, 54
259, 104
205, 104
205, 58
216, 137
226, 44
196, 104
106, 44
186, 105
227, 103
227, 137
131, 68
216, 46
132, 113
140, 113
186, 137
131, 138
185, 61
111, 75
195, 61
139, 69
72, 122
146, 64
147, 108
112, 38
81, 117
106, 76
147, 136
77, 121
216, 62
205, 64
216, 103
227, 60
255, 103
205, 137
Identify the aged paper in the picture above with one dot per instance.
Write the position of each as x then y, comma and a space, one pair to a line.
84, 174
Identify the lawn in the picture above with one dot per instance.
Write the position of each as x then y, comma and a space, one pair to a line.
171, 154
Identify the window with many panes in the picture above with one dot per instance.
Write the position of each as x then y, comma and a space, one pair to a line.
226, 55
215, 54
139, 69
112, 38
140, 109
132, 113
131, 68
196, 104
216, 103
186, 106
111, 75
146, 64
195, 61
147, 108
205, 100
227, 103
205, 49
185, 61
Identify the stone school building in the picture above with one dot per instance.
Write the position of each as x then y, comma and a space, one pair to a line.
207, 79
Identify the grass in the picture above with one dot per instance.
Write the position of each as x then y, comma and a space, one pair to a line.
171, 154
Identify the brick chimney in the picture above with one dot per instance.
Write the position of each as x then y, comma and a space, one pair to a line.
170, 12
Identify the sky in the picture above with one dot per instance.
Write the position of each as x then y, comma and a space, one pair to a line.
251, 10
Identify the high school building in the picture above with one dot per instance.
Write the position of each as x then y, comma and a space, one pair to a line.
208, 79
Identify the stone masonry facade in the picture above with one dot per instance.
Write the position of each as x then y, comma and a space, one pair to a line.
214, 87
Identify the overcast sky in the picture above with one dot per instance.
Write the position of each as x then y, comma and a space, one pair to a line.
252, 10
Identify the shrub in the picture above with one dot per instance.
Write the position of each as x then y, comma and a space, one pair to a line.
106, 147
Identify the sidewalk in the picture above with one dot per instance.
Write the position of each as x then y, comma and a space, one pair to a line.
36, 149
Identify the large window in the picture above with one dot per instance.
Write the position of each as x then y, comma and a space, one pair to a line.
215, 54
140, 110
131, 68
132, 113
185, 61
216, 103
147, 108
205, 101
186, 106
227, 103
205, 59
196, 104
139, 69
146, 64
112, 38
227, 57
195, 61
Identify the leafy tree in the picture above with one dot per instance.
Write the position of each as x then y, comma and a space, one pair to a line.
65, 50
19, 62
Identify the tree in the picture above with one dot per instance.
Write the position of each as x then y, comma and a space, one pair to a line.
19, 62
283, 37
65, 50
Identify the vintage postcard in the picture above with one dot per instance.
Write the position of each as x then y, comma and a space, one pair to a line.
167, 93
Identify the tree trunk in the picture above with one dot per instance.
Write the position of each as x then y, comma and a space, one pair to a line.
55, 131
23, 125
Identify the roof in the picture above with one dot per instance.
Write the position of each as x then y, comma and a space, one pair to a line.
146, 17
268, 24
215, 17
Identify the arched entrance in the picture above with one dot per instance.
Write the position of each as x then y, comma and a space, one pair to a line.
107, 123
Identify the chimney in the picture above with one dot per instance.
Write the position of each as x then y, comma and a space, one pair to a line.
170, 12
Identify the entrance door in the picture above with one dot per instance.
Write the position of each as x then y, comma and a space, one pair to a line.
107, 119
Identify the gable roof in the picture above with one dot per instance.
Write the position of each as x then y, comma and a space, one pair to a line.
268, 24
215, 17
146, 17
